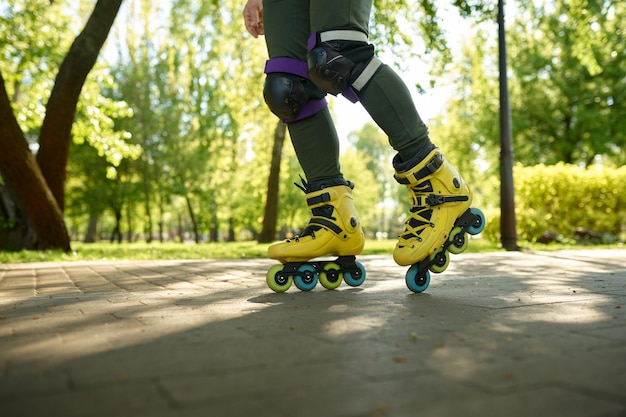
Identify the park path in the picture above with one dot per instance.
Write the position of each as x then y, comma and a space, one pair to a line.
498, 334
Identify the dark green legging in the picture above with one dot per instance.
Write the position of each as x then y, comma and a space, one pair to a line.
288, 25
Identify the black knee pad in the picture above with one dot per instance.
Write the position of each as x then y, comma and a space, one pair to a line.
287, 91
341, 59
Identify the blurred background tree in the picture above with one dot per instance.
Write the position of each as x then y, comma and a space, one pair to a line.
171, 138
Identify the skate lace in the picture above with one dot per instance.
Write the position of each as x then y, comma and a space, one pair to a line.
420, 217
323, 211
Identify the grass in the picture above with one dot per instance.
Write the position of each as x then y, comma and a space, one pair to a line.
105, 251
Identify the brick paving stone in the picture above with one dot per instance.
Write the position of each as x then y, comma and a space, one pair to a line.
507, 333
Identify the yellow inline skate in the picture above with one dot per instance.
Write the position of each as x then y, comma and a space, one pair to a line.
334, 230
440, 217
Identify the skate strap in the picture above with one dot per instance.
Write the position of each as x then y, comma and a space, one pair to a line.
321, 221
318, 199
430, 168
436, 200
288, 65
335, 35
352, 92
367, 74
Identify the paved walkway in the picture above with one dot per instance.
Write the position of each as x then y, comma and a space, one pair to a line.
504, 334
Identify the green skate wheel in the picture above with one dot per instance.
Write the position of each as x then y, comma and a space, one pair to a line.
478, 225
354, 280
416, 280
276, 280
440, 259
307, 278
330, 277
458, 241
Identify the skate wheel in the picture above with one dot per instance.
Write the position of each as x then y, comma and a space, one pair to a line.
416, 280
440, 259
356, 279
307, 278
330, 277
276, 280
458, 241
478, 225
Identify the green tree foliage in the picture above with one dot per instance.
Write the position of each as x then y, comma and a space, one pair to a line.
33, 42
468, 132
566, 84
171, 132
187, 76
568, 62
35, 36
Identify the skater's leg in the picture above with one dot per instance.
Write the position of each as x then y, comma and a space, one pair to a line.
340, 62
388, 100
384, 95
334, 227
286, 25
314, 138
340, 14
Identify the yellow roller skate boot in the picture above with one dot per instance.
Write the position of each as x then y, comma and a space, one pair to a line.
440, 217
334, 230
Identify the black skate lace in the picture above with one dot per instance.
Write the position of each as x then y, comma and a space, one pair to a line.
419, 219
324, 211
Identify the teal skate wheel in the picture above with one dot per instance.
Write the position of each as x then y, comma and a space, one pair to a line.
306, 280
354, 280
458, 241
416, 280
440, 260
276, 280
478, 225
330, 277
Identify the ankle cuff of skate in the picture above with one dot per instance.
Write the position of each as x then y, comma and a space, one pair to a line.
432, 166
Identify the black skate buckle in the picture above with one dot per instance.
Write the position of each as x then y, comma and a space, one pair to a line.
430, 167
435, 163
322, 198
435, 200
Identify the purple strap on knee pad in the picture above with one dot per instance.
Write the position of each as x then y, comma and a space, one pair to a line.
301, 69
309, 109
351, 95
312, 42
288, 65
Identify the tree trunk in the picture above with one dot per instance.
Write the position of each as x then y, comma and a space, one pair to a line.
92, 228
148, 227
16, 232
129, 223
25, 180
55, 137
231, 230
213, 230
194, 223
270, 216
161, 221
116, 235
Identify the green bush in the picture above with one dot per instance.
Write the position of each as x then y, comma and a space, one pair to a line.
563, 198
